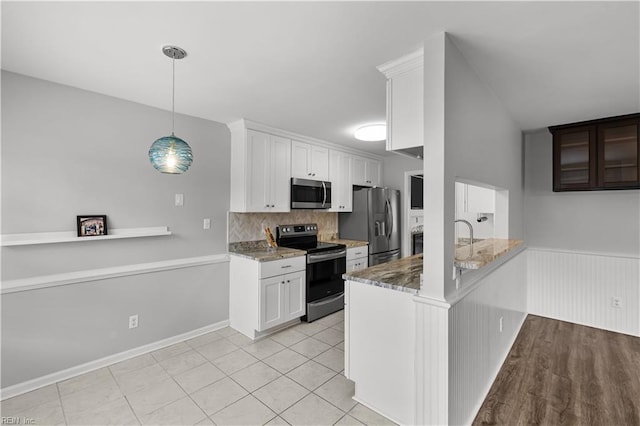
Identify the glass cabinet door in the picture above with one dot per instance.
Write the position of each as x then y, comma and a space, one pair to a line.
618, 154
574, 158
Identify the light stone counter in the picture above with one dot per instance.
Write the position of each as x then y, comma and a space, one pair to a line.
484, 252
259, 251
348, 243
400, 275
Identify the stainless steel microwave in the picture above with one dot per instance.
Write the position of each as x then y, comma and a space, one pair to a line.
310, 194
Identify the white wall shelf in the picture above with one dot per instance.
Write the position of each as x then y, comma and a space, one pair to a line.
72, 236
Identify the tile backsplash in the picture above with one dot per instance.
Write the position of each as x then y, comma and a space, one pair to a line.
250, 226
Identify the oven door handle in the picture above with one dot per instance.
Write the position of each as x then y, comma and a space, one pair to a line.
327, 301
315, 258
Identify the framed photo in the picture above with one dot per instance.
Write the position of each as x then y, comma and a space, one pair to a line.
92, 225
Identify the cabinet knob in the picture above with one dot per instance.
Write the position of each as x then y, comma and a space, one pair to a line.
267, 205
288, 281
308, 174
313, 174
273, 205
282, 283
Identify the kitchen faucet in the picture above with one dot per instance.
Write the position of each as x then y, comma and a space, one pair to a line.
470, 234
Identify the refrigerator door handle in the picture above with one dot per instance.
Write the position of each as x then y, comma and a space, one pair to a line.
388, 217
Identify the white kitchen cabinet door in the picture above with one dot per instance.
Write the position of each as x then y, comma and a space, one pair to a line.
474, 199
357, 258
374, 172
309, 161
404, 103
480, 200
258, 172
356, 264
271, 298
359, 171
280, 174
300, 156
366, 171
319, 163
340, 177
294, 295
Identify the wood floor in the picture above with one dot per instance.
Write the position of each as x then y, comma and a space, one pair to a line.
558, 373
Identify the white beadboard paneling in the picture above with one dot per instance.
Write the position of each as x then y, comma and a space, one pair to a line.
477, 347
432, 362
460, 348
579, 287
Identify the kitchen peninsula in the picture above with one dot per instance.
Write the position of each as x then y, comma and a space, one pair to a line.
380, 327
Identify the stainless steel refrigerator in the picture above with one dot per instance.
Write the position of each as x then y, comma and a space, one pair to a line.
375, 218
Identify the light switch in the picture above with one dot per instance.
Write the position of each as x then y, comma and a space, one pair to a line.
179, 200
206, 224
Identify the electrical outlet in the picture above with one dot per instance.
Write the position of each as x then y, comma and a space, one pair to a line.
616, 302
206, 224
501, 323
179, 200
133, 321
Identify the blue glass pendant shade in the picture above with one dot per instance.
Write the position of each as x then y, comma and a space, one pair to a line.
170, 154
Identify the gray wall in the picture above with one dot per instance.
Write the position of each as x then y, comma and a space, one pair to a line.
66, 152
469, 136
393, 168
593, 221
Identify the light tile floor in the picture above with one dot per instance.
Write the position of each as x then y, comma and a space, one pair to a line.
223, 378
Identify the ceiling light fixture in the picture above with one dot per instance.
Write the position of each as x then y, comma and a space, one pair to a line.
371, 133
170, 154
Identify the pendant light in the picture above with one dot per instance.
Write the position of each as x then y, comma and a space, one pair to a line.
170, 154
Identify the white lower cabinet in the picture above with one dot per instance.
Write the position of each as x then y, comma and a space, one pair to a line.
357, 258
263, 295
281, 299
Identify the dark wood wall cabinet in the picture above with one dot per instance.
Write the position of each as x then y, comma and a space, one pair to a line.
597, 155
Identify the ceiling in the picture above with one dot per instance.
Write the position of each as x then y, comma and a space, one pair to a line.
310, 67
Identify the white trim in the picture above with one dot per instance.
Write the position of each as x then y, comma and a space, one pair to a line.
72, 236
403, 64
375, 410
53, 280
587, 253
252, 125
52, 378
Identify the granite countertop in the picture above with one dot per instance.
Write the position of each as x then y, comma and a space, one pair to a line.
348, 243
400, 275
484, 252
261, 252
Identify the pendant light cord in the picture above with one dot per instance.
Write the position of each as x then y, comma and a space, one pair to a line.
173, 96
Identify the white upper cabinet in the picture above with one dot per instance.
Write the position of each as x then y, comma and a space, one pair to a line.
474, 199
340, 177
365, 171
405, 82
260, 171
309, 161
264, 159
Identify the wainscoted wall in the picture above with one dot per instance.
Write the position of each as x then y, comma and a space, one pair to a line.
250, 226
464, 361
580, 287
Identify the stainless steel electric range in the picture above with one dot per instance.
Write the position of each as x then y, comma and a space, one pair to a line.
326, 262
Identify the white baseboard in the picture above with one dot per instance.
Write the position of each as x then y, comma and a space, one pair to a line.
49, 379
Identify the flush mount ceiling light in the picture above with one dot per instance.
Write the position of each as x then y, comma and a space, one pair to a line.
371, 133
170, 154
